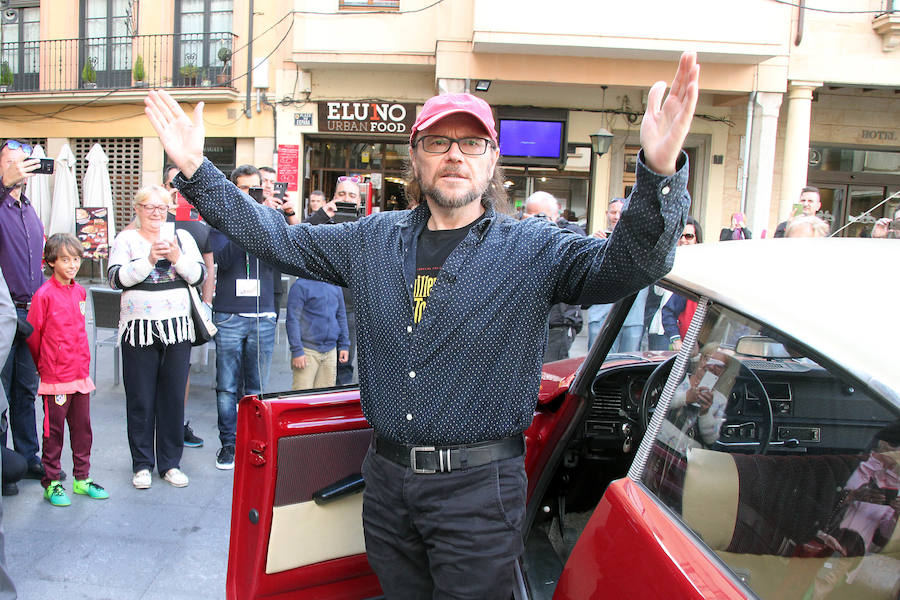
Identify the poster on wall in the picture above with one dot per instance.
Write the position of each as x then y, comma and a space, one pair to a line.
91, 229
289, 165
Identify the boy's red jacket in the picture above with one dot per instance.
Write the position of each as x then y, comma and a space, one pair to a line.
59, 343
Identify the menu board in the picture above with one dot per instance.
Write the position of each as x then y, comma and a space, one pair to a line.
92, 230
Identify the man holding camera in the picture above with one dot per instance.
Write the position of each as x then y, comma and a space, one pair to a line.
449, 374
21, 249
245, 313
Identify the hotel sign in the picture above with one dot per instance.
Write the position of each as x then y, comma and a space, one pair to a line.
340, 116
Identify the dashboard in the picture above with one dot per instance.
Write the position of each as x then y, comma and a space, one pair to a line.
812, 410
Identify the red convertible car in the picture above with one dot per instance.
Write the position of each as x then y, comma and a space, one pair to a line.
760, 461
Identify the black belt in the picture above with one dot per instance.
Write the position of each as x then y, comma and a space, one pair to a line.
432, 459
23, 305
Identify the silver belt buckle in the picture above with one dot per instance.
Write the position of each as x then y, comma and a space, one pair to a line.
412, 459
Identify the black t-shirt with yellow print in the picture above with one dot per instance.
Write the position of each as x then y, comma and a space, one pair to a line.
433, 249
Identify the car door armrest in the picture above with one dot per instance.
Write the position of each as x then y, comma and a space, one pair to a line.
346, 486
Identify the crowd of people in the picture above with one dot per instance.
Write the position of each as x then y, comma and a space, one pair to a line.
658, 319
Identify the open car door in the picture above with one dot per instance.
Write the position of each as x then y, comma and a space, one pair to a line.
296, 519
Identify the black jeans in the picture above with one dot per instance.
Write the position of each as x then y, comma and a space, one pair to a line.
446, 535
155, 377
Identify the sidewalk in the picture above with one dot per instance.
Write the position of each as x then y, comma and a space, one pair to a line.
158, 544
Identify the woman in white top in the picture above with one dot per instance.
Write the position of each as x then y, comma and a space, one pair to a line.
154, 268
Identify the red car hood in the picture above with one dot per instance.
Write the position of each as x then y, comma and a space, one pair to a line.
556, 377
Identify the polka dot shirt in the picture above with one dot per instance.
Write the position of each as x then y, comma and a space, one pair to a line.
470, 370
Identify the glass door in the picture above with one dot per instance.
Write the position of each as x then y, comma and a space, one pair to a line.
106, 49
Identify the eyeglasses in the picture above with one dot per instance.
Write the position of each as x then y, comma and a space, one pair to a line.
688, 236
351, 178
17, 145
439, 144
154, 208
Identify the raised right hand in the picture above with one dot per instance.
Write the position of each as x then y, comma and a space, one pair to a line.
181, 136
19, 171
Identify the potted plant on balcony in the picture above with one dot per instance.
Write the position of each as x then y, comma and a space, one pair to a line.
138, 73
189, 73
6, 77
225, 56
89, 76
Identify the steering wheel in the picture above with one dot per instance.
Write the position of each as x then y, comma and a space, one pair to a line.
656, 382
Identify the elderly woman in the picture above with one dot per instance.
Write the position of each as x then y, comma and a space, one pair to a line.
154, 268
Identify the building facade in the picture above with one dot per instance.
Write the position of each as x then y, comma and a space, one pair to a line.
791, 93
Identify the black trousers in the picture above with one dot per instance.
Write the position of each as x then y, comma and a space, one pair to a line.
446, 535
155, 377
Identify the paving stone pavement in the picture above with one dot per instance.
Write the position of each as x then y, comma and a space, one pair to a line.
163, 543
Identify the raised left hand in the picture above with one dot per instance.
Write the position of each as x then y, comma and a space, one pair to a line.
666, 124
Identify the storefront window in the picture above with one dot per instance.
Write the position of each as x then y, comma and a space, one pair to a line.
845, 159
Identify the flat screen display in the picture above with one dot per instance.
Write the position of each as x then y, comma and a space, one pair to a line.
531, 139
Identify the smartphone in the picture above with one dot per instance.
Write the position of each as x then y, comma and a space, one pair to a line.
167, 231
46, 167
797, 210
280, 189
256, 193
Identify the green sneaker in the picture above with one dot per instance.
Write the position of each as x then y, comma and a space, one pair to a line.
87, 487
56, 494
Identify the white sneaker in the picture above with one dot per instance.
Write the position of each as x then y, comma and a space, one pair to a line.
142, 479
176, 478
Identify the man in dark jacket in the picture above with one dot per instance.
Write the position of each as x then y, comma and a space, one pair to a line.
244, 311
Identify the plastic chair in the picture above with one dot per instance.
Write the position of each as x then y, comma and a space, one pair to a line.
105, 306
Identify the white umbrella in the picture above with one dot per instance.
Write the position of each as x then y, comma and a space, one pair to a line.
38, 190
96, 187
65, 194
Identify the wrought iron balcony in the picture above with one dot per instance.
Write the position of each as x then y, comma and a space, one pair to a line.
174, 61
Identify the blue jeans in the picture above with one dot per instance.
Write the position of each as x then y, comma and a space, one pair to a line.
237, 368
20, 382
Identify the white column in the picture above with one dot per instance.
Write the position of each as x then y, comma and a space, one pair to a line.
796, 144
761, 162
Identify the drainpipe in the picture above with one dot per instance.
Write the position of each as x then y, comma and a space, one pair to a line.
747, 134
801, 5
247, 112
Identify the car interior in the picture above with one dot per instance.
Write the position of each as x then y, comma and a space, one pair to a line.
773, 458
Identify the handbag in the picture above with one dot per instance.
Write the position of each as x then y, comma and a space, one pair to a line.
201, 315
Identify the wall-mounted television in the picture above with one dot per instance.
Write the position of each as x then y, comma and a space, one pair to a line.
532, 136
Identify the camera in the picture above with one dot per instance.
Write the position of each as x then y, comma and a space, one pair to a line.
345, 211
256, 193
46, 167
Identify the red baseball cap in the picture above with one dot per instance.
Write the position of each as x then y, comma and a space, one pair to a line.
445, 105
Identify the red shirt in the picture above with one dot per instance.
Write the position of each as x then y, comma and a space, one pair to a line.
59, 343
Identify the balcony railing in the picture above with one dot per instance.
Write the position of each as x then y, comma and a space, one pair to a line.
166, 60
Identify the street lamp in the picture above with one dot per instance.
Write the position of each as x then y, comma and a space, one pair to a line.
601, 141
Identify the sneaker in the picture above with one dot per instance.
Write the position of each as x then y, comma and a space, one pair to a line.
56, 494
225, 457
142, 479
176, 478
191, 440
10, 489
87, 487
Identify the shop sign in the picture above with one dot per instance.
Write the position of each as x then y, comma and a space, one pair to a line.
366, 117
289, 164
879, 135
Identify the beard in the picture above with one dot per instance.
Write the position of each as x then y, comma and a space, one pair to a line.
445, 201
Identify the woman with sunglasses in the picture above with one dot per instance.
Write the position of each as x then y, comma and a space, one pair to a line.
670, 322
154, 268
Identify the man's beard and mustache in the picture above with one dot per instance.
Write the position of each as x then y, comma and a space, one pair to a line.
443, 200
